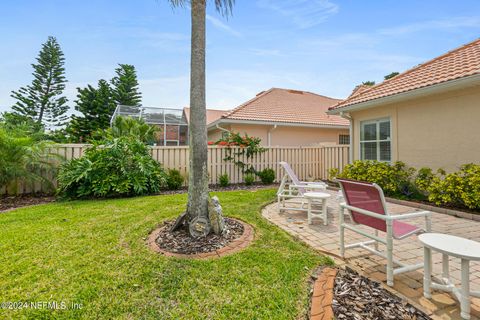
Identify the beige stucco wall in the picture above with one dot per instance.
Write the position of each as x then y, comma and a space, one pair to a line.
441, 131
285, 135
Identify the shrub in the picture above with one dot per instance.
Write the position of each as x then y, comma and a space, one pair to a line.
394, 179
23, 157
127, 127
174, 179
224, 180
460, 189
267, 176
120, 167
249, 179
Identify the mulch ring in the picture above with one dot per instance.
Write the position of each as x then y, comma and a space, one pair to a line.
12, 202
180, 244
357, 297
344, 294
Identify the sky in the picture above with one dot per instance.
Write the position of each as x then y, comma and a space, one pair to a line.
323, 46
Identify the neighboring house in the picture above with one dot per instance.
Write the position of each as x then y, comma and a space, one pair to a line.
428, 116
282, 117
212, 114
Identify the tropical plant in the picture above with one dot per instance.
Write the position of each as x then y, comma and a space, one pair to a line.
42, 100
117, 167
174, 179
15, 122
197, 206
128, 126
223, 180
125, 86
96, 106
267, 176
24, 159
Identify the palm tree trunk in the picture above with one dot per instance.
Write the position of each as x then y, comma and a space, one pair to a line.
198, 173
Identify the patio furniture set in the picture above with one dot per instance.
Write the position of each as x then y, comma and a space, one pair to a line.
364, 204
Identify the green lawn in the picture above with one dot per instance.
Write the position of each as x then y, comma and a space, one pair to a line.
93, 253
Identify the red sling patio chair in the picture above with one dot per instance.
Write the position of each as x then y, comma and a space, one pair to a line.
365, 203
292, 188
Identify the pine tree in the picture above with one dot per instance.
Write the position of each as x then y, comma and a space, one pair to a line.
42, 101
97, 107
125, 86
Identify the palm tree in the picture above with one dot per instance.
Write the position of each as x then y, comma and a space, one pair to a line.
197, 207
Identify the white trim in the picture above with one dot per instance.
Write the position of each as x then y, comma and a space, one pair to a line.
415, 93
213, 125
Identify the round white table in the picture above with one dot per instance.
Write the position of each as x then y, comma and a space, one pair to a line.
313, 197
464, 249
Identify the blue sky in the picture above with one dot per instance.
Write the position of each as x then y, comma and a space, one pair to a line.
322, 46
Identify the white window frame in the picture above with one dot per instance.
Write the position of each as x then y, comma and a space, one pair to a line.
377, 140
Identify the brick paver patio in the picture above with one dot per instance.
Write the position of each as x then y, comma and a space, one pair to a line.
410, 285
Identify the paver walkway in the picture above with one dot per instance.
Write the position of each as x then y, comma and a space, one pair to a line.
326, 238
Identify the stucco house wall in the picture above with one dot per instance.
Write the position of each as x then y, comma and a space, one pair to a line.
440, 131
286, 136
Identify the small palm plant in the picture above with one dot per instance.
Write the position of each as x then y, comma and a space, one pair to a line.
24, 159
128, 126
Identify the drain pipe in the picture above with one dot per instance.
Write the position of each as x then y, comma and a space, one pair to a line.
350, 131
222, 129
269, 135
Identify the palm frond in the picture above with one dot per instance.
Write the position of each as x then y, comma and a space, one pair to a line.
224, 7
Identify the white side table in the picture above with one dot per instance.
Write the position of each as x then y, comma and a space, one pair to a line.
313, 197
465, 249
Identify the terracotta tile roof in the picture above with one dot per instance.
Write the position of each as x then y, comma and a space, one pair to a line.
458, 63
212, 114
288, 106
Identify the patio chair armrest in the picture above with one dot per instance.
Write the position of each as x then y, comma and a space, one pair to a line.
313, 183
308, 186
411, 215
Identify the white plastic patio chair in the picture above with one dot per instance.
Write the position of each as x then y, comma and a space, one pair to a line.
292, 188
365, 204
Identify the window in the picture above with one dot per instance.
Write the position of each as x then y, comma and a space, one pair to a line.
344, 139
375, 140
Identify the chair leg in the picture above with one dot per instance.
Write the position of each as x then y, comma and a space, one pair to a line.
389, 253
342, 232
376, 242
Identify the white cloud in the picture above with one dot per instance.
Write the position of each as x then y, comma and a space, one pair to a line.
453, 23
303, 13
222, 26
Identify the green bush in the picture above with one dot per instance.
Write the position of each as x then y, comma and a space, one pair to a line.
459, 189
24, 158
174, 179
394, 179
224, 180
249, 179
117, 167
267, 176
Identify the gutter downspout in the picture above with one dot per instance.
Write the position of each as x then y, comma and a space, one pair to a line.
222, 129
350, 131
269, 135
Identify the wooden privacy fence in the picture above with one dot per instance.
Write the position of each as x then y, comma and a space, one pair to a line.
310, 163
